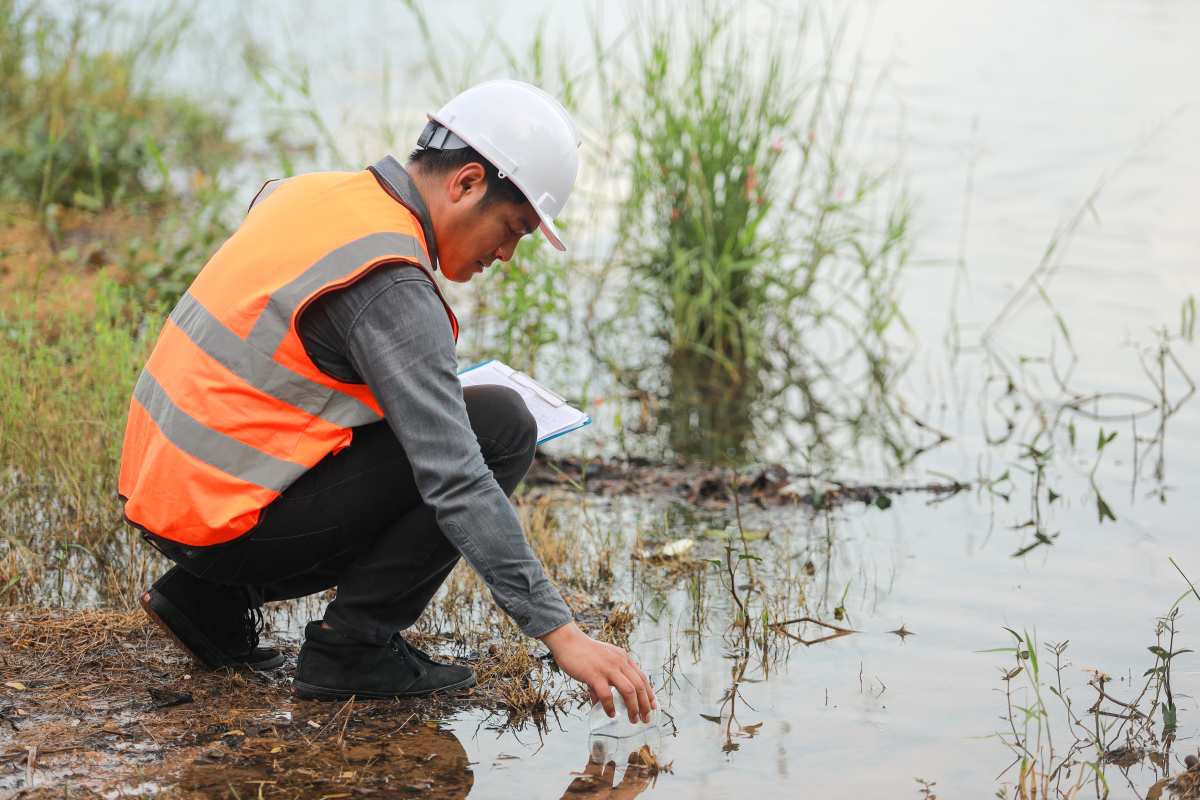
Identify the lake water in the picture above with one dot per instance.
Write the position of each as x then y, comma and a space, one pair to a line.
1003, 117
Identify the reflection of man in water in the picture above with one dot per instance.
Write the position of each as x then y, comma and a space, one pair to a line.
437, 757
597, 781
441, 760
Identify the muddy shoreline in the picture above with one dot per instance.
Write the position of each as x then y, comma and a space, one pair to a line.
98, 703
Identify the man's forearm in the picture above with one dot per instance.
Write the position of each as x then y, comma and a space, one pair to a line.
400, 343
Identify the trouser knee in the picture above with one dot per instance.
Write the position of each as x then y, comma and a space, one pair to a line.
507, 432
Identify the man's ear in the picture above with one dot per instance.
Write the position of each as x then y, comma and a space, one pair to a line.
469, 183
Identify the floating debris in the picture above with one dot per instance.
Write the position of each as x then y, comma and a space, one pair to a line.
770, 485
838, 631
670, 551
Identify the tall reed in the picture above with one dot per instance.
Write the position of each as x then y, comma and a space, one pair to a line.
762, 261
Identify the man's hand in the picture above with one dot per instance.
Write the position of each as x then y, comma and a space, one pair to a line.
602, 666
596, 782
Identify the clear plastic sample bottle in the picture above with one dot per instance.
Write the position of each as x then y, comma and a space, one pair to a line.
616, 738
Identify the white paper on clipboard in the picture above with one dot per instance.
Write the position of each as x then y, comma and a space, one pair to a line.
553, 415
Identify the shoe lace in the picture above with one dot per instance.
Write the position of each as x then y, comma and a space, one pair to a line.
252, 625
402, 648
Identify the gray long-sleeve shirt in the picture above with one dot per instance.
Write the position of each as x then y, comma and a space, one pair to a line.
390, 331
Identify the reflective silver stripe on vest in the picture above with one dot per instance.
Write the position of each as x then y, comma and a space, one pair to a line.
265, 373
213, 447
272, 325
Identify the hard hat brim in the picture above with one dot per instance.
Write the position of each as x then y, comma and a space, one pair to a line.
550, 231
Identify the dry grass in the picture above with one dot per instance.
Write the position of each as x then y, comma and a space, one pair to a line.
102, 700
59, 639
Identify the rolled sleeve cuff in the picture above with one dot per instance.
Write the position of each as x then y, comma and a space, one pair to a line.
541, 613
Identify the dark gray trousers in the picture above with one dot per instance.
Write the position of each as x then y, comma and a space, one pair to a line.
357, 522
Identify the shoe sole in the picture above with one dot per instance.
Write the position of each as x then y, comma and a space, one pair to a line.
150, 599
310, 691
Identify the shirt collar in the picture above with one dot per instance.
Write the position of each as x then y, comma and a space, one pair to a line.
399, 184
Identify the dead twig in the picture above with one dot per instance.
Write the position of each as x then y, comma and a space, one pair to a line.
838, 631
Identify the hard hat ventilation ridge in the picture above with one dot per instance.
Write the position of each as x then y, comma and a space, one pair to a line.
439, 137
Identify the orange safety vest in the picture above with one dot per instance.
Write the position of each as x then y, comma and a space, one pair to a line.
230, 410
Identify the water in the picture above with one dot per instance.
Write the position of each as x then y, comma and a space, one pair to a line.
1004, 117
1008, 115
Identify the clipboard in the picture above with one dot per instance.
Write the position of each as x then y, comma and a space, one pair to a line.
554, 416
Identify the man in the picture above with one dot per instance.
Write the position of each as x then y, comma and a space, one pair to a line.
299, 424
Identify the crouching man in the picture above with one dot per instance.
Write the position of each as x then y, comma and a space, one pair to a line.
299, 424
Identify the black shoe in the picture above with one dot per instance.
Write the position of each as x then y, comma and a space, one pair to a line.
216, 628
334, 667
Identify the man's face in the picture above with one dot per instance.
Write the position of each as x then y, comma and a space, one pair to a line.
471, 235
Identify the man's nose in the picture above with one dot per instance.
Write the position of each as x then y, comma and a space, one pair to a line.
505, 251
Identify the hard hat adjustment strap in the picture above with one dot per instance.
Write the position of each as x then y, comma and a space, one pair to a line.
438, 137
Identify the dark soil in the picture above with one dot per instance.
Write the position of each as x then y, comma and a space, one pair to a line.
97, 702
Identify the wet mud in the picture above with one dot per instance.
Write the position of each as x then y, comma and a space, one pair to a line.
101, 704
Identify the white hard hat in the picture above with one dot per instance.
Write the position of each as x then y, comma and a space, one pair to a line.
526, 134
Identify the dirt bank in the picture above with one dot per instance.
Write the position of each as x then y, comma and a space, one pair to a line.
100, 704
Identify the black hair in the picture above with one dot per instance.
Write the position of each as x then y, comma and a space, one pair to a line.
439, 162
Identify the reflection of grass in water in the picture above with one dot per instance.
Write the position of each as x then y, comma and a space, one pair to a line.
1040, 407
1034, 404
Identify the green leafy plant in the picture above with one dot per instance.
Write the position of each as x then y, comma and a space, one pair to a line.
83, 124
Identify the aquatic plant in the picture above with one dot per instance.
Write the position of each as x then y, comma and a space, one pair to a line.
1060, 747
755, 274
759, 263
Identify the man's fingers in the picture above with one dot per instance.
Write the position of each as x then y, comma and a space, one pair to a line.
646, 683
633, 783
642, 689
603, 694
629, 693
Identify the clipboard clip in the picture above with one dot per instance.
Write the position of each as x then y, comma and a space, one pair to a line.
555, 400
